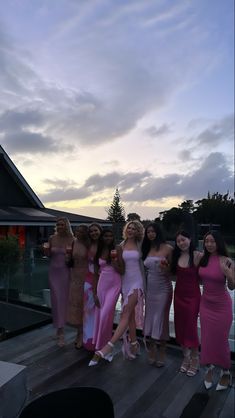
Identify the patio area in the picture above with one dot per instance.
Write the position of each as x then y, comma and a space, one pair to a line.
136, 388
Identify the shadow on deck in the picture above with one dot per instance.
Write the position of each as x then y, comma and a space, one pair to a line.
137, 389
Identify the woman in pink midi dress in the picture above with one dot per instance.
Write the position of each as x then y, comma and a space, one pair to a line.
108, 271
59, 274
187, 296
158, 294
216, 309
129, 254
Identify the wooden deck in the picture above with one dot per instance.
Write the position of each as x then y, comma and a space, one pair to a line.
137, 389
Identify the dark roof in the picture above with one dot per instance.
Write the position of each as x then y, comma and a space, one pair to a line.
19, 205
14, 189
13, 215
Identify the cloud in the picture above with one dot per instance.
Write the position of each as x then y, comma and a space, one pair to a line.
213, 174
112, 75
218, 132
154, 131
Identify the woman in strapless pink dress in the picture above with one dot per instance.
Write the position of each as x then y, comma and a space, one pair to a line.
216, 272
132, 293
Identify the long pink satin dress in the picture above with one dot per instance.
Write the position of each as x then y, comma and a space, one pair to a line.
133, 280
108, 290
59, 280
88, 307
215, 315
157, 300
187, 297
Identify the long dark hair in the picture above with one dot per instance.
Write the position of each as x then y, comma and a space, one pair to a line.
146, 244
101, 247
177, 252
97, 226
220, 247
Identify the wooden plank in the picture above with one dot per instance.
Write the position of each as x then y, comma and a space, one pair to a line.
228, 410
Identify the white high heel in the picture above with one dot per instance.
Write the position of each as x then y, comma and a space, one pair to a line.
99, 354
224, 373
208, 384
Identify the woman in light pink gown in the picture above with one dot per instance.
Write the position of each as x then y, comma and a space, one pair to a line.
59, 274
128, 253
158, 295
108, 272
216, 270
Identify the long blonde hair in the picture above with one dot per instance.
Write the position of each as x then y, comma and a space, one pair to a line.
68, 229
139, 230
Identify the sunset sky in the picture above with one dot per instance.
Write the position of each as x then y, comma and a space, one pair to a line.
99, 94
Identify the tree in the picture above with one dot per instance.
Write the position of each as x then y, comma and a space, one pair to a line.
133, 216
216, 209
187, 206
116, 212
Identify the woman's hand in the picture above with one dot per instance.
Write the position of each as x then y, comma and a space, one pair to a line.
97, 302
227, 266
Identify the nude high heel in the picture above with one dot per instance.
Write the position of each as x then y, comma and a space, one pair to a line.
126, 349
194, 366
208, 383
224, 373
186, 361
162, 356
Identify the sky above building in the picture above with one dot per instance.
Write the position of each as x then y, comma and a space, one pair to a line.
100, 94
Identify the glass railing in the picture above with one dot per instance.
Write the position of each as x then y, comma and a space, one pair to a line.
29, 287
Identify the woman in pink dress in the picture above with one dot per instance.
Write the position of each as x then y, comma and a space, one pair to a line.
79, 257
158, 294
107, 270
187, 296
59, 274
132, 293
216, 270
94, 232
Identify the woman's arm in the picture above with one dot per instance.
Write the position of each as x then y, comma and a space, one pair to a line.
118, 263
197, 255
94, 285
228, 269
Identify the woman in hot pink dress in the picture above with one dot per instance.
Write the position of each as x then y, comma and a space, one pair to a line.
132, 293
59, 274
186, 300
158, 295
216, 269
108, 272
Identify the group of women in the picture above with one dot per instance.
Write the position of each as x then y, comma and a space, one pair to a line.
141, 268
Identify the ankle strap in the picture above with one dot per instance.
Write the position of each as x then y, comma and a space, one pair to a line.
110, 344
134, 342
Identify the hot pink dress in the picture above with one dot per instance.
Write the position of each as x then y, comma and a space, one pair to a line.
108, 290
215, 315
59, 280
186, 306
157, 300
